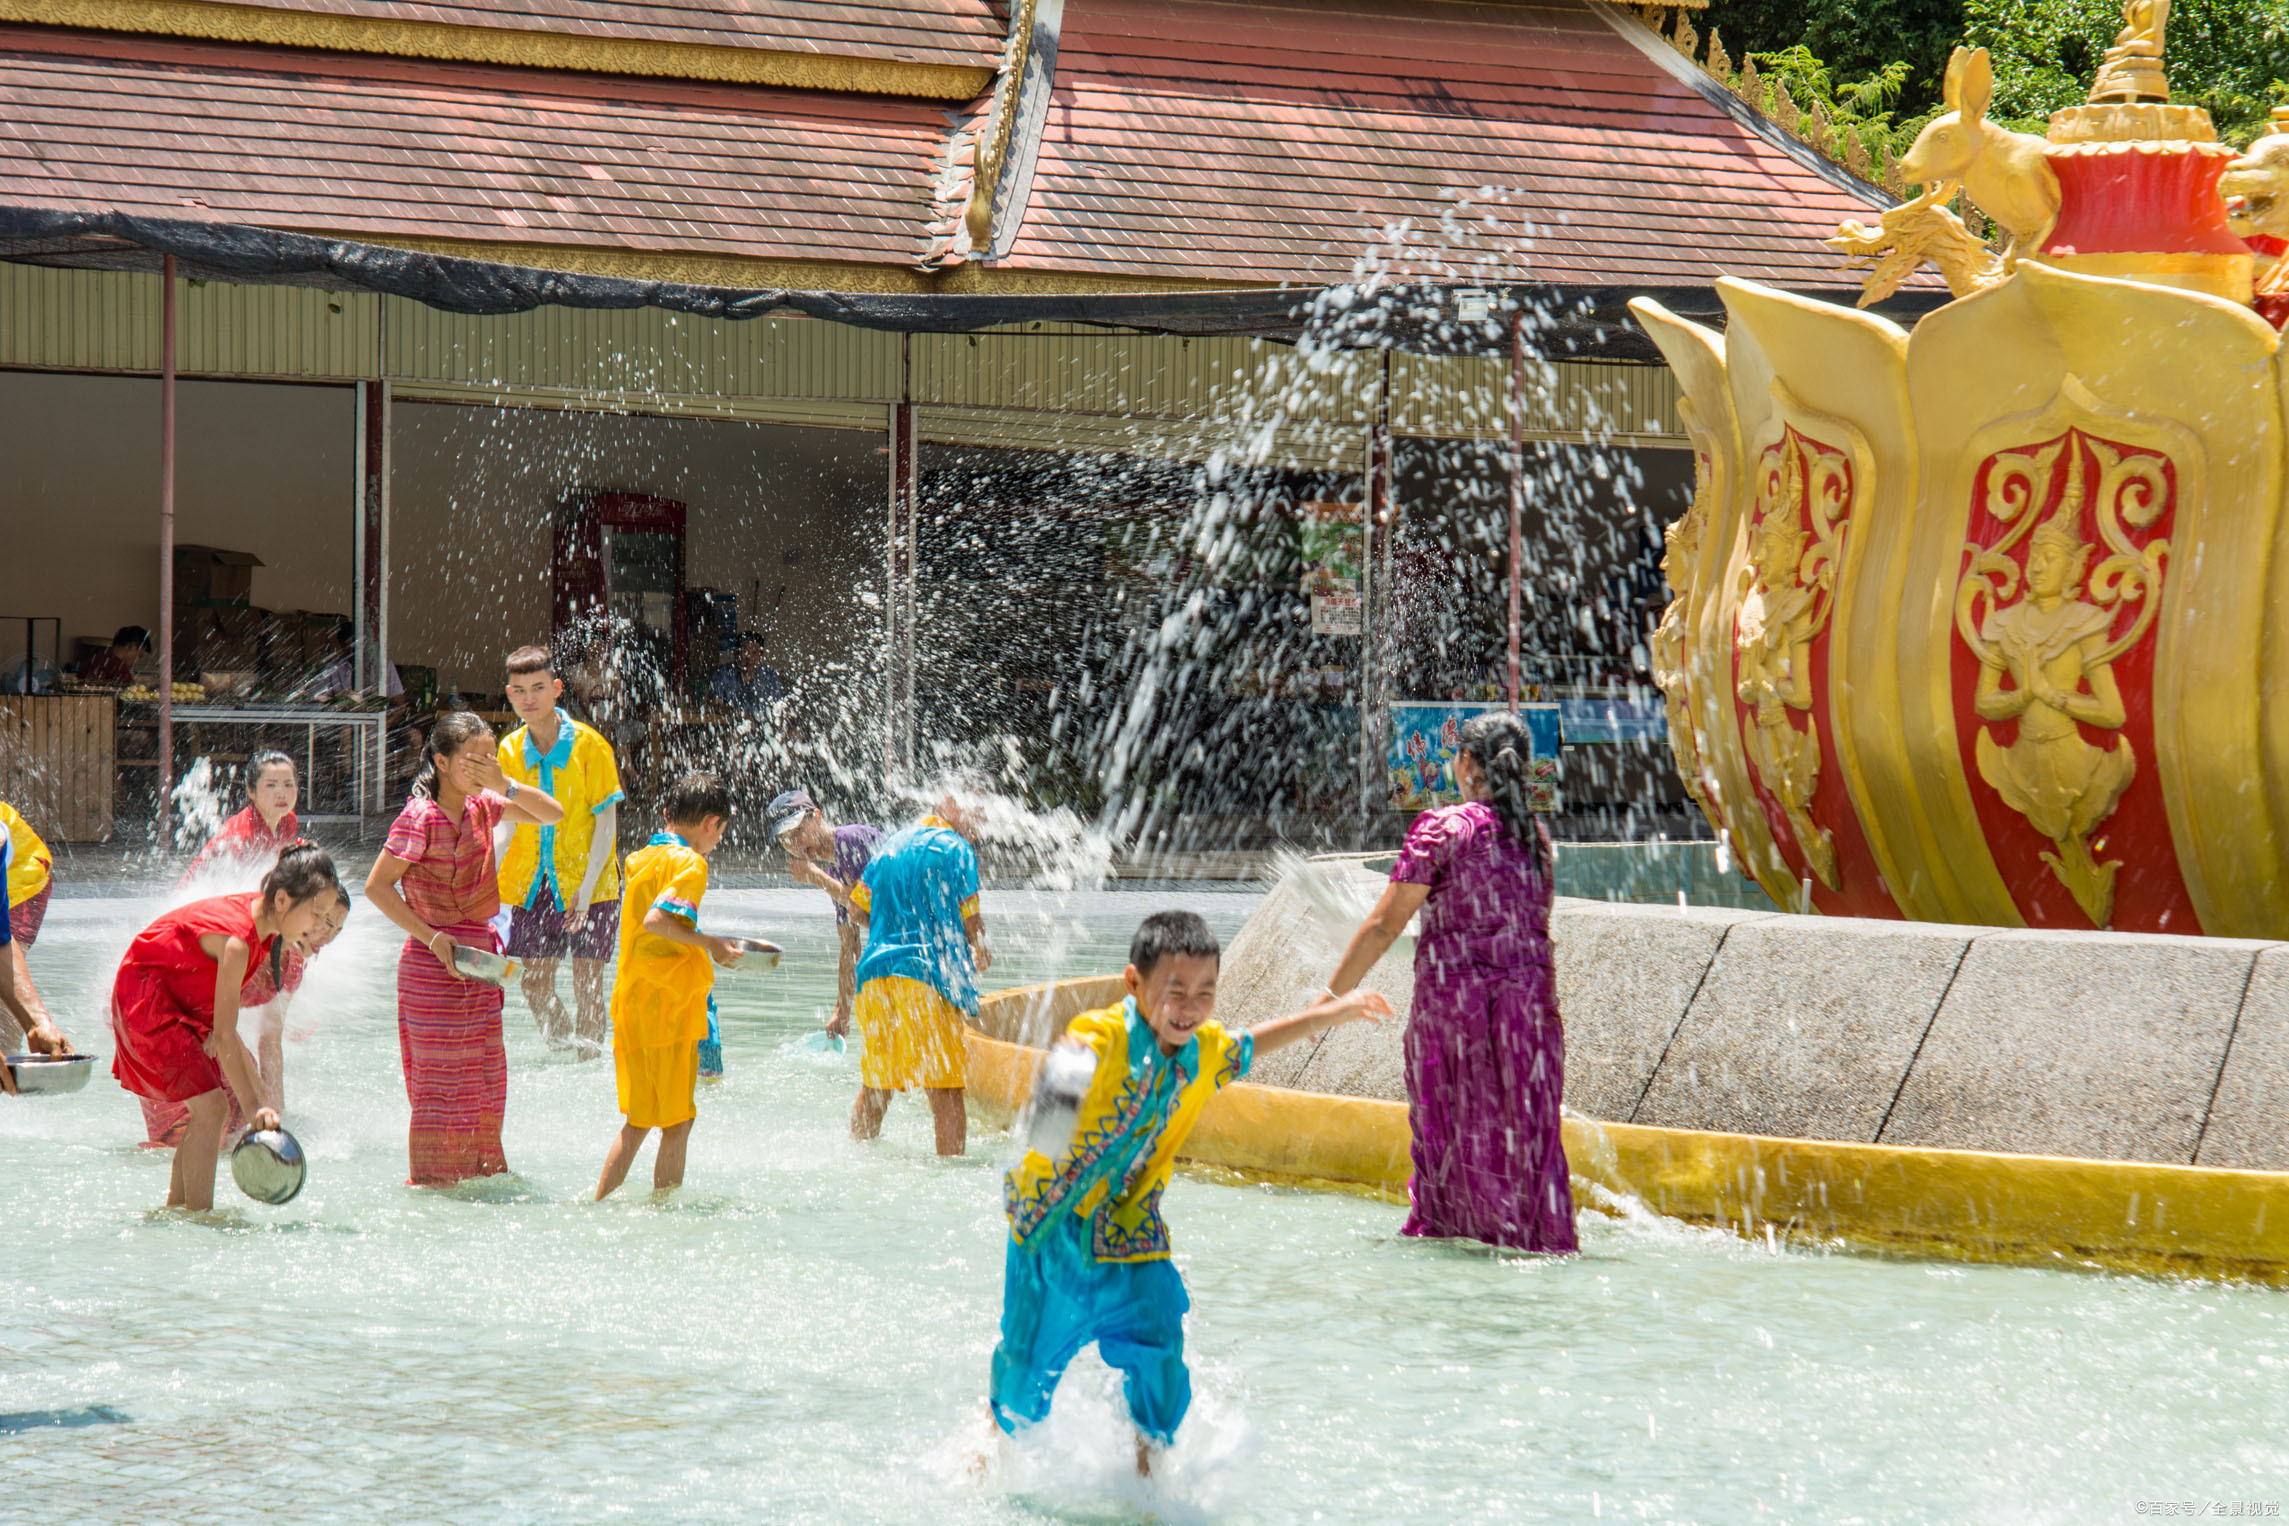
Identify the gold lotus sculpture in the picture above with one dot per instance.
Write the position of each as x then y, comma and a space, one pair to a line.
1989, 622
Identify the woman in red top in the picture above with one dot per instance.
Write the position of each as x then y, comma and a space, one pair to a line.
175, 1005
253, 839
436, 878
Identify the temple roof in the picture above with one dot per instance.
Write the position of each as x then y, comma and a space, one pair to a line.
1167, 142
1276, 140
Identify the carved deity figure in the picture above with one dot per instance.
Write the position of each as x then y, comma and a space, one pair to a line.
2132, 69
2052, 646
1772, 664
1681, 544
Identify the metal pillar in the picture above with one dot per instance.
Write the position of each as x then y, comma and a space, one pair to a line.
901, 554
1375, 606
1517, 490
166, 549
370, 654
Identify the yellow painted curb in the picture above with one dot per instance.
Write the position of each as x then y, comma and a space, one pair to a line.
1970, 1205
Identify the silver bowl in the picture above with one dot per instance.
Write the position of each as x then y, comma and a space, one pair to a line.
44, 1075
755, 954
480, 964
268, 1166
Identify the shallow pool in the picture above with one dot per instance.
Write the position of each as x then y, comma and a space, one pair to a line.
803, 1333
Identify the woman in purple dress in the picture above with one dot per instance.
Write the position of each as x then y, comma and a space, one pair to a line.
1486, 1055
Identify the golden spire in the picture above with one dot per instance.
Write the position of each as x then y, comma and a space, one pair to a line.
2132, 70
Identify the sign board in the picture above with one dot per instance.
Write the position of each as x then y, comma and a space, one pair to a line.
1419, 766
1333, 545
1336, 614
1588, 722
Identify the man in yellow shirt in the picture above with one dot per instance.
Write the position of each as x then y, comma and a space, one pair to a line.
561, 884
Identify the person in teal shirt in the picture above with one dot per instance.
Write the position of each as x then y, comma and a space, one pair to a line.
924, 946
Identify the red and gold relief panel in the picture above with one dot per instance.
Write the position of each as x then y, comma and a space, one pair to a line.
2064, 569
1800, 516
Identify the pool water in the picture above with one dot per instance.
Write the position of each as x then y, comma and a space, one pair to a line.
803, 1332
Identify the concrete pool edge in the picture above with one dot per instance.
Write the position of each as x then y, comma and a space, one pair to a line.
2172, 1220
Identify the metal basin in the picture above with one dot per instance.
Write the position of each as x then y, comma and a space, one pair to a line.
480, 964
268, 1166
754, 954
41, 1075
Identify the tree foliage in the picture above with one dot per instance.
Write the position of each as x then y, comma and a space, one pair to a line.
1852, 39
2227, 56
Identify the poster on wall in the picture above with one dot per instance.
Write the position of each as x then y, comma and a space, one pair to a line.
1425, 736
1333, 546
1336, 614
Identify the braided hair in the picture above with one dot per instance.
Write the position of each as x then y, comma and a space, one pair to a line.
1498, 743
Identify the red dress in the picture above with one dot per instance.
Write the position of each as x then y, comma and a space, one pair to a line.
164, 1122
247, 843
163, 999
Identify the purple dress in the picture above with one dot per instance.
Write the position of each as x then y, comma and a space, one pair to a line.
1486, 1054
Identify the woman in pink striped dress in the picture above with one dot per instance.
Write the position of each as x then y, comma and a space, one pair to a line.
436, 879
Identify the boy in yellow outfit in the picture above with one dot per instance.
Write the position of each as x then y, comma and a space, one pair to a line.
1088, 1258
559, 883
660, 999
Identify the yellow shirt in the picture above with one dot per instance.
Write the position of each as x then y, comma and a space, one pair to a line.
29, 866
581, 773
1138, 1110
659, 995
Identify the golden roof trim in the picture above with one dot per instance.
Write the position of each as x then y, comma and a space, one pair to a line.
210, 21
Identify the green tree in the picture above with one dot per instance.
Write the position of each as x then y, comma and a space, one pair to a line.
1852, 39
2227, 56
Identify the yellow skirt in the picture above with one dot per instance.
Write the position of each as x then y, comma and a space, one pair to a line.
656, 1084
911, 1036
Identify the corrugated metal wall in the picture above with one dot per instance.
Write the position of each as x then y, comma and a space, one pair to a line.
1029, 388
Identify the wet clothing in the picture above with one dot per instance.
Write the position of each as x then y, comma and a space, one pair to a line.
662, 996
917, 891
910, 1036
854, 850
541, 930
22, 923
1088, 1256
448, 1028
163, 1121
1485, 1051
580, 772
245, 845
30, 867
163, 998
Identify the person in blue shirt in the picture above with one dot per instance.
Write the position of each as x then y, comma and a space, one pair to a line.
747, 683
916, 908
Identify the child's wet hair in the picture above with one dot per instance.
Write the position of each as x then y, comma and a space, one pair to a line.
454, 730
1167, 934
268, 758
304, 872
695, 797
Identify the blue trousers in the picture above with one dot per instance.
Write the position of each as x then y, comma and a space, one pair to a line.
1057, 1298
711, 1047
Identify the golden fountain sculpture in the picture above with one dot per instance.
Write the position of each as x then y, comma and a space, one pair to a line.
1989, 622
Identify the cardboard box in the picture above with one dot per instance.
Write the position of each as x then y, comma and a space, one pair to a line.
208, 575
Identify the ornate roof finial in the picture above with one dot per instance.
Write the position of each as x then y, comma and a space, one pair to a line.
2132, 70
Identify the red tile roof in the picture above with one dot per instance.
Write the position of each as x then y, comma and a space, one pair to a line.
387, 148
964, 32
1273, 140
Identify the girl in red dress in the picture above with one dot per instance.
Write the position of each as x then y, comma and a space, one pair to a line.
253, 839
175, 1005
269, 989
436, 878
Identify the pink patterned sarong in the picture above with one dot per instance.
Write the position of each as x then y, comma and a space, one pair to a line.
456, 1070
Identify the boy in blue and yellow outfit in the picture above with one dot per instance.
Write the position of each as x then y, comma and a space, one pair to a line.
1088, 1255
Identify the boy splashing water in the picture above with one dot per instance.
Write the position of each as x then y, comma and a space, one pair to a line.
1088, 1256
